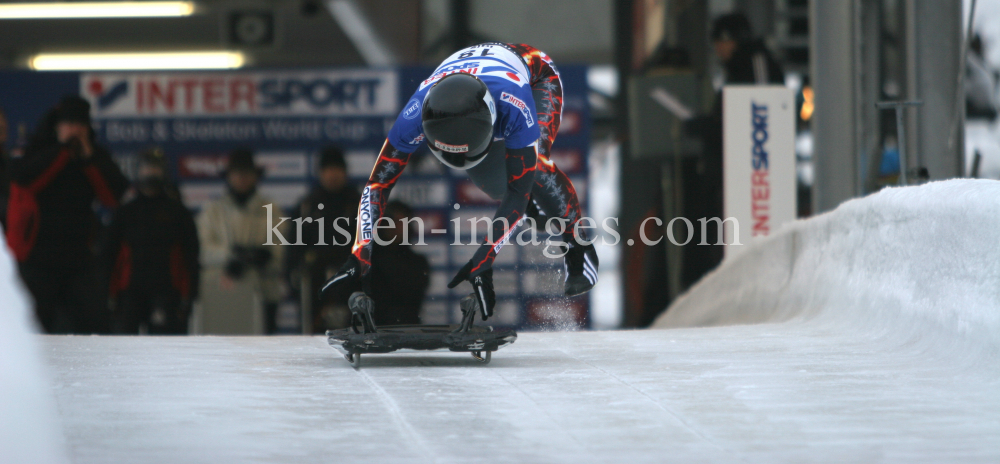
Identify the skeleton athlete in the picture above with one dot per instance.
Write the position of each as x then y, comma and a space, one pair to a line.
492, 109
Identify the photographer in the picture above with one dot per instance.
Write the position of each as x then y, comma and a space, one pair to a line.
51, 224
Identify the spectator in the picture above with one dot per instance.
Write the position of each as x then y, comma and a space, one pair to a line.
51, 222
241, 278
746, 61
744, 57
400, 276
332, 201
4, 161
152, 249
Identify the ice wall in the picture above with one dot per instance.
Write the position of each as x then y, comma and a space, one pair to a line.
29, 430
915, 265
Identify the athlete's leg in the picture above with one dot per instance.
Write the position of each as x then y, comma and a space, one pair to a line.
553, 194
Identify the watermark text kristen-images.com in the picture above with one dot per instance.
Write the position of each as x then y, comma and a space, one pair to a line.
528, 235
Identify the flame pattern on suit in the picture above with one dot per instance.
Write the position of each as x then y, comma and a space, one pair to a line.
388, 167
531, 175
521, 165
553, 192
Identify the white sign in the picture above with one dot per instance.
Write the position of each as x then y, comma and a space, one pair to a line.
358, 92
279, 164
758, 161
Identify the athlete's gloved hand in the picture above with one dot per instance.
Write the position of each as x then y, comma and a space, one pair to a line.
482, 287
349, 278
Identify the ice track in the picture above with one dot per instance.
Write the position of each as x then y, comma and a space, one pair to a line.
869, 334
753, 394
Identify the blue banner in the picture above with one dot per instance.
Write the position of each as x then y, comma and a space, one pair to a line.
287, 117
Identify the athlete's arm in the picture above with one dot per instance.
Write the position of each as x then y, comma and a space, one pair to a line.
520, 163
388, 167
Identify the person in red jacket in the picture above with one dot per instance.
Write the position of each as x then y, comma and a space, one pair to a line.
4, 183
51, 224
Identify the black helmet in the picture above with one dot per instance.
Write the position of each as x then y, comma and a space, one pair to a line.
458, 119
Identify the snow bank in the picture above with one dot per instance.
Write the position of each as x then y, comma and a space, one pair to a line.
898, 265
29, 430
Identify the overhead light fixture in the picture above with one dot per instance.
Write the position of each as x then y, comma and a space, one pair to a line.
64, 10
136, 61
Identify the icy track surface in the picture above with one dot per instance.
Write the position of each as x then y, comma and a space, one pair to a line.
869, 334
753, 394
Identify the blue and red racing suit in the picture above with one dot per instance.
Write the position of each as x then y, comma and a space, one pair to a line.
525, 85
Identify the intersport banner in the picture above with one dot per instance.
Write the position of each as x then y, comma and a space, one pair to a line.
317, 106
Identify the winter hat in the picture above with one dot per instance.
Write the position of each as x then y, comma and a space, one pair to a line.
332, 156
733, 26
73, 109
241, 159
153, 157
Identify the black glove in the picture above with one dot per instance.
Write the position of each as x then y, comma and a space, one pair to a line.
235, 268
252, 256
348, 278
482, 287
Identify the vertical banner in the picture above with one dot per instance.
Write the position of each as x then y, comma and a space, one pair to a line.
758, 124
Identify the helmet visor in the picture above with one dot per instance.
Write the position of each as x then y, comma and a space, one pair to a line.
461, 160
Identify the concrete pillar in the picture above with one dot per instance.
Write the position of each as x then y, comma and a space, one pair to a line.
935, 45
832, 52
845, 49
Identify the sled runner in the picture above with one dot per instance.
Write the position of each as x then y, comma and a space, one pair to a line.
363, 337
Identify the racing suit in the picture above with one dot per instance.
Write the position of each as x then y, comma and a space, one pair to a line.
518, 172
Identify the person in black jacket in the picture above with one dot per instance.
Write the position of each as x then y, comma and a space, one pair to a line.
152, 251
400, 276
746, 61
51, 225
334, 202
745, 58
4, 181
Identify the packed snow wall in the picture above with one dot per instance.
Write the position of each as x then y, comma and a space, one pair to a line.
916, 266
29, 430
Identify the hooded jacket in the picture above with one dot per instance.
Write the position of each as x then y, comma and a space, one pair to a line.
50, 212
